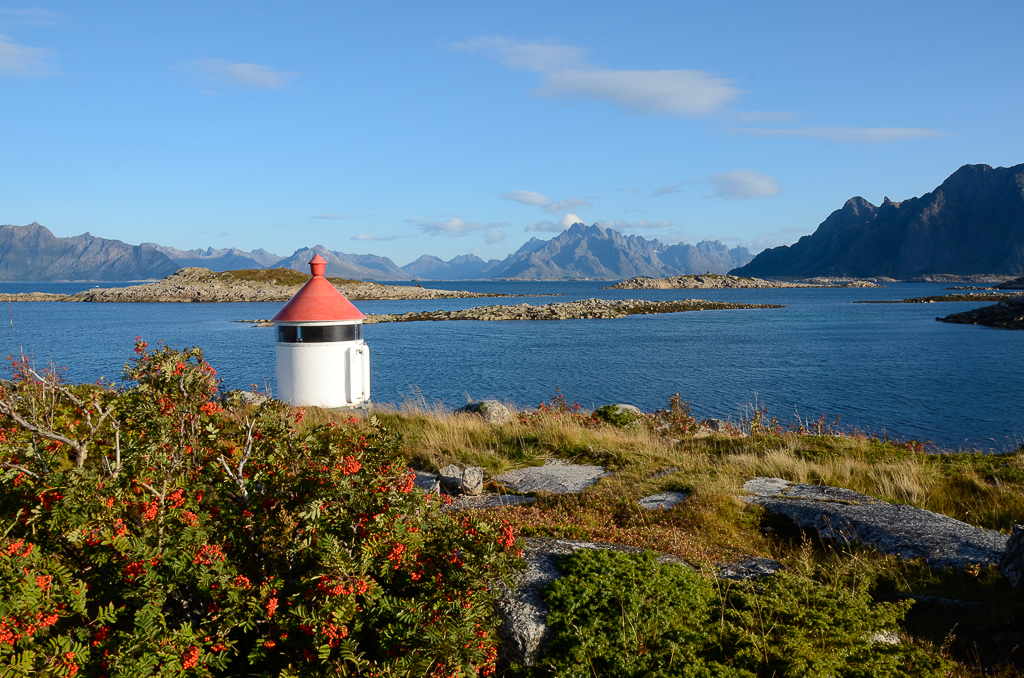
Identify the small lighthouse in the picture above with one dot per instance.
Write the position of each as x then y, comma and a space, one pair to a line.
322, 360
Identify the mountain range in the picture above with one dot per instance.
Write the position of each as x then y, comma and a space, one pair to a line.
33, 253
972, 223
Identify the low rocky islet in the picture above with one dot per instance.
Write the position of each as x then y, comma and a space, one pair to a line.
714, 281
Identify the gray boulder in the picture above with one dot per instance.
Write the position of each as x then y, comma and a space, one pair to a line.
428, 482
456, 481
554, 476
1011, 565
488, 501
492, 411
662, 500
451, 479
751, 568
847, 516
473, 480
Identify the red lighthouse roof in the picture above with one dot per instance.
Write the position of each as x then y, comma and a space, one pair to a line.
318, 300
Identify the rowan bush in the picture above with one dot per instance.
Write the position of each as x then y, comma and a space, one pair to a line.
154, 529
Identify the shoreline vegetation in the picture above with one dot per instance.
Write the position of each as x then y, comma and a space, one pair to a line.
161, 524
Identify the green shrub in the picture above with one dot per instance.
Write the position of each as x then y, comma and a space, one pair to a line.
616, 416
616, 614
147, 531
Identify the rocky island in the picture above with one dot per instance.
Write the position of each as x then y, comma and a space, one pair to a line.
1007, 314
714, 281
583, 309
273, 284
969, 296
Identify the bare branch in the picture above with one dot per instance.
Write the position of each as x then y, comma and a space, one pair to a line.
21, 468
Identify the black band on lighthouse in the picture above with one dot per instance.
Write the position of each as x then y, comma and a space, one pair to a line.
311, 334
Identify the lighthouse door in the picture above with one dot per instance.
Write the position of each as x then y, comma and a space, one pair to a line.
357, 385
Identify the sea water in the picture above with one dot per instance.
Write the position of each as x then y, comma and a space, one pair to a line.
885, 369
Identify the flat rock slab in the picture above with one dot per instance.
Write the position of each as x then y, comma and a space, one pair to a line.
428, 482
522, 609
554, 476
895, 529
751, 568
489, 501
662, 500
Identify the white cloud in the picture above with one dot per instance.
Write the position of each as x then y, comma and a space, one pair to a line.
547, 226
847, 135
667, 190
367, 236
24, 62
456, 227
33, 16
683, 92
567, 204
642, 225
527, 198
535, 199
743, 185
254, 76
524, 56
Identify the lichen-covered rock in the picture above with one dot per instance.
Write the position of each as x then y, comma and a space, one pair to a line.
906, 531
450, 478
428, 482
1011, 565
554, 476
472, 480
492, 411
662, 500
751, 568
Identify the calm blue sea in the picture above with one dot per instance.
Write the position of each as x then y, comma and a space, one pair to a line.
883, 368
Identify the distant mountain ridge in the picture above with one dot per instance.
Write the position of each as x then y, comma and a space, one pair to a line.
341, 265
583, 251
972, 223
33, 253
226, 259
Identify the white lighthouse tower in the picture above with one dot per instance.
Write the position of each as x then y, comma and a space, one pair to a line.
322, 360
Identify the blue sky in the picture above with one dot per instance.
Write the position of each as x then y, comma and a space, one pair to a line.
446, 128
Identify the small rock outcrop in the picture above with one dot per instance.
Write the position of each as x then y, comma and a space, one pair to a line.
751, 568
554, 476
564, 310
721, 282
203, 285
662, 500
492, 411
1012, 563
428, 482
906, 531
1008, 315
456, 481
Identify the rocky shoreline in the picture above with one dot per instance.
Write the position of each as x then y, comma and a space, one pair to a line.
584, 309
571, 310
714, 281
970, 296
1007, 314
203, 285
